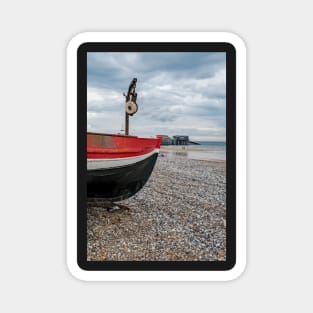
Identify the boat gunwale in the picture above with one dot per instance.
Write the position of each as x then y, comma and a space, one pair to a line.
121, 135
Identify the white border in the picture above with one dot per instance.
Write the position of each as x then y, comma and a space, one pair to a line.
73, 45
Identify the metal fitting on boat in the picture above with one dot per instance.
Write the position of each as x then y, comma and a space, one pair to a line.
131, 107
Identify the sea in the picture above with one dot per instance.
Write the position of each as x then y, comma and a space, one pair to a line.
206, 150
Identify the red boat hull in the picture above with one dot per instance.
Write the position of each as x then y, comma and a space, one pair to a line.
118, 166
103, 146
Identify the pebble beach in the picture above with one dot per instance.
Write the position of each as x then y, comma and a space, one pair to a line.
179, 215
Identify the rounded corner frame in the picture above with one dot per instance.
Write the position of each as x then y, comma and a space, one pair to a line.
71, 137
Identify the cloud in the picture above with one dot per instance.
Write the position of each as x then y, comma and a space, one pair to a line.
178, 93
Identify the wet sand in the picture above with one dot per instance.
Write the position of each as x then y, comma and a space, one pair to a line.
195, 152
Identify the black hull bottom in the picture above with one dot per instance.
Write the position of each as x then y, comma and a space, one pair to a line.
119, 183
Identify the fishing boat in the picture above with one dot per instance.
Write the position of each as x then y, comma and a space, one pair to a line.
118, 165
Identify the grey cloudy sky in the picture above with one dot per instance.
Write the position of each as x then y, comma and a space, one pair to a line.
178, 93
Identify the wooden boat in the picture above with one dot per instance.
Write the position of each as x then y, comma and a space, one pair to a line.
118, 166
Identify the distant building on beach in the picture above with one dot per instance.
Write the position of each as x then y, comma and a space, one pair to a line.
166, 140
181, 140
178, 140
